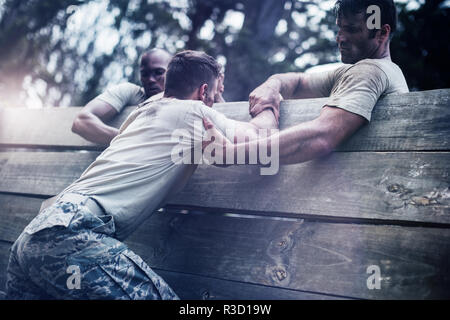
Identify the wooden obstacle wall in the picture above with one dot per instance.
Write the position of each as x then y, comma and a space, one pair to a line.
309, 232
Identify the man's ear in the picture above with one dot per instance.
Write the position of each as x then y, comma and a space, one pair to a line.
384, 32
203, 92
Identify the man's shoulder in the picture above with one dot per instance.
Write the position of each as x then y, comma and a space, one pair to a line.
393, 73
368, 69
123, 94
374, 65
129, 87
196, 110
385, 65
193, 106
173, 105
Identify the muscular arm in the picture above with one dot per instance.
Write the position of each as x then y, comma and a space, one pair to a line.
291, 85
90, 122
316, 138
305, 141
243, 131
264, 120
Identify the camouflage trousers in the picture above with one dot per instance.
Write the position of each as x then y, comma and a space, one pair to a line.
80, 261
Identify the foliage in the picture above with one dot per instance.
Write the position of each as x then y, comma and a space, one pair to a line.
422, 47
68, 51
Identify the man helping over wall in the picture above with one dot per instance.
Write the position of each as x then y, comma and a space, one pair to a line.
84, 229
353, 89
91, 122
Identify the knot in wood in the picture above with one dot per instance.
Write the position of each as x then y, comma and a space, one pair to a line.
399, 189
206, 295
280, 273
394, 188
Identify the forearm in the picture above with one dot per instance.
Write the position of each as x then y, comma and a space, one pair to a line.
287, 84
265, 120
302, 143
297, 144
93, 129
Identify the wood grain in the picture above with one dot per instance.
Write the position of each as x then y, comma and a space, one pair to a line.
311, 230
194, 287
15, 213
364, 185
319, 257
286, 254
42, 173
415, 121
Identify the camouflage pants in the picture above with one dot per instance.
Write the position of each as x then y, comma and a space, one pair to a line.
80, 261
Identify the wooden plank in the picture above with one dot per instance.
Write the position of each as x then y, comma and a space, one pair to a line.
15, 213
23, 127
42, 173
383, 186
4, 258
380, 186
321, 257
195, 287
414, 121
294, 254
192, 287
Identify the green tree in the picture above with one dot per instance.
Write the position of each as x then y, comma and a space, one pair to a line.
51, 43
26, 32
421, 47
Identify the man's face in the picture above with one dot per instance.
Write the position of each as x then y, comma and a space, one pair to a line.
354, 39
153, 73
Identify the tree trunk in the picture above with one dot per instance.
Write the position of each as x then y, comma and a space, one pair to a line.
242, 76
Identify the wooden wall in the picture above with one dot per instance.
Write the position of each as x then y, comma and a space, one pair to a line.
309, 232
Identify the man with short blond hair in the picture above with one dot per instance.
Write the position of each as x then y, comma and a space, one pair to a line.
83, 231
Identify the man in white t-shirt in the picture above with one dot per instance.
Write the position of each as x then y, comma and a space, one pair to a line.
73, 249
352, 89
90, 123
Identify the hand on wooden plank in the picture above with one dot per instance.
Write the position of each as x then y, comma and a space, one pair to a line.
265, 97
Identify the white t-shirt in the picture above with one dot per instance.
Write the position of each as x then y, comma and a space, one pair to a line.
357, 87
136, 174
122, 95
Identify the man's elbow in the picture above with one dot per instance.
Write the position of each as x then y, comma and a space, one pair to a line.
329, 141
77, 124
326, 145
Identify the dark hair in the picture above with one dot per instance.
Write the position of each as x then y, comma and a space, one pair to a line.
187, 71
387, 8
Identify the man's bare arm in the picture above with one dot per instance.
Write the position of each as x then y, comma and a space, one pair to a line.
264, 120
90, 122
302, 142
243, 131
293, 85
316, 138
